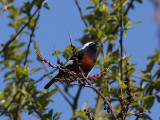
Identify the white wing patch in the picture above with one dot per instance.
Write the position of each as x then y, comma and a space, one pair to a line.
69, 62
87, 44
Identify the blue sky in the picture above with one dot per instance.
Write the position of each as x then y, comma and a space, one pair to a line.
52, 30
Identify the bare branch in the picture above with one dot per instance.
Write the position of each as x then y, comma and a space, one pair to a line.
73, 47
58, 59
45, 75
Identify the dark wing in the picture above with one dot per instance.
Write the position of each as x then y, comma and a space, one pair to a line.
72, 61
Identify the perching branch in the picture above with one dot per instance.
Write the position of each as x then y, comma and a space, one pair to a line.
81, 77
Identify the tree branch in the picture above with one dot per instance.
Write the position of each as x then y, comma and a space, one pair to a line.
80, 11
104, 99
74, 106
3, 9
121, 51
14, 38
31, 36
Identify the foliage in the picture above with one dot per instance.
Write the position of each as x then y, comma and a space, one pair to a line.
106, 23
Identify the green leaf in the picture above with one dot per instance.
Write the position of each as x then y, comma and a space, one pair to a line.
50, 113
10, 78
84, 105
80, 114
158, 98
112, 37
150, 66
125, 33
36, 70
25, 93
57, 53
68, 52
135, 23
46, 6
2, 1
90, 7
145, 97
49, 94
21, 71
56, 116
157, 85
125, 3
148, 103
100, 33
2, 96
94, 1
140, 1
123, 86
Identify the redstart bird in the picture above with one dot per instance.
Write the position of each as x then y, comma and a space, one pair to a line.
86, 57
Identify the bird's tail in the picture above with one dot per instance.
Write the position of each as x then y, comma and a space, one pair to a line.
49, 83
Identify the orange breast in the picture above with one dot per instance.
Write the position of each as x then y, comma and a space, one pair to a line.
87, 63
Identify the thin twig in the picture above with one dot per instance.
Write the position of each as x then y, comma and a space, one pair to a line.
73, 47
80, 11
45, 75
58, 59
129, 6
53, 66
31, 36
74, 106
137, 76
3, 9
69, 36
121, 51
36, 111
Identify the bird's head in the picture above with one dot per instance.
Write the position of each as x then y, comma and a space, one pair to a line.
91, 46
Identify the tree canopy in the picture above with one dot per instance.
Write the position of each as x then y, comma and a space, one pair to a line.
120, 93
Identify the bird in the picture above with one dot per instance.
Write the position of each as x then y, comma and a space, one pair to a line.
86, 57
